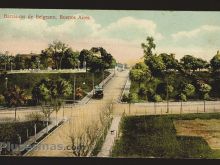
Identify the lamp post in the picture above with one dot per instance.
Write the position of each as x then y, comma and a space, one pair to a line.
78, 62
93, 83
167, 97
84, 64
6, 82
74, 88
38, 63
11, 65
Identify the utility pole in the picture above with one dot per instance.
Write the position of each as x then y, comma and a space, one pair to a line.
74, 89
167, 97
11, 65
93, 83
103, 77
6, 83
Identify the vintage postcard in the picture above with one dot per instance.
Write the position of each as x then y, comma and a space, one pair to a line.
109, 83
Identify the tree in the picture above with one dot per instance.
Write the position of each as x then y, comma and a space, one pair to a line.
215, 62
52, 93
189, 90
154, 62
96, 64
163, 88
148, 47
85, 56
56, 50
169, 61
201, 64
106, 58
142, 92
46, 59
205, 89
15, 97
156, 65
19, 62
183, 97
70, 59
138, 76
189, 63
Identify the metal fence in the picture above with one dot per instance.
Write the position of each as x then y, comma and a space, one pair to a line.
167, 108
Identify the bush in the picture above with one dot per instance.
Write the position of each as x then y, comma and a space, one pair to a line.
189, 90
2, 99
206, 96
34, 116
182, 97
142, 92
133, 97
157, 98
125, 98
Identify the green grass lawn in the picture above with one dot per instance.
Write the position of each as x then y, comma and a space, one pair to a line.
155, 136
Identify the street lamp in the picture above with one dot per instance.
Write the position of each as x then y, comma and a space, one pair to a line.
11, 65
93, 83
38, 63
6, 82
84, 64
78, 62
74, 88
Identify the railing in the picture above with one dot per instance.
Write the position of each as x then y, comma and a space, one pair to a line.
170, 108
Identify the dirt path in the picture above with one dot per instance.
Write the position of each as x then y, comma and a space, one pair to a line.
110, 138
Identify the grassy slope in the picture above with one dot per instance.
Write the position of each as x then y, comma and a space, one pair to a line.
155, 136
176, 81
28, 81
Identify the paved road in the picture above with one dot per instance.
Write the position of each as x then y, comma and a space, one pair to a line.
80, 115
110, 138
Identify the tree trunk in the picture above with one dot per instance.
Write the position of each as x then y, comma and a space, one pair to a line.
47, 123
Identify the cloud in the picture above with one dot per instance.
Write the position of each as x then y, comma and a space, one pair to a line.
121, 38
195, 32
130, 29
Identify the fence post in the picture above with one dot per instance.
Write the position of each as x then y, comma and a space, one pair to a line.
129, 108
204, 105
27, 134
181, 107
47, 124
155, 111
63, 112
35, 133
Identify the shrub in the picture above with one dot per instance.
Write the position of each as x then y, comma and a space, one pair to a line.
182, 97
142, 92
34, 116
206, 96
157, 98
133, 97
189, 90
2, 99
125, 98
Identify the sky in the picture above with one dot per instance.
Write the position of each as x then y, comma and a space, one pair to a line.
120, 32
